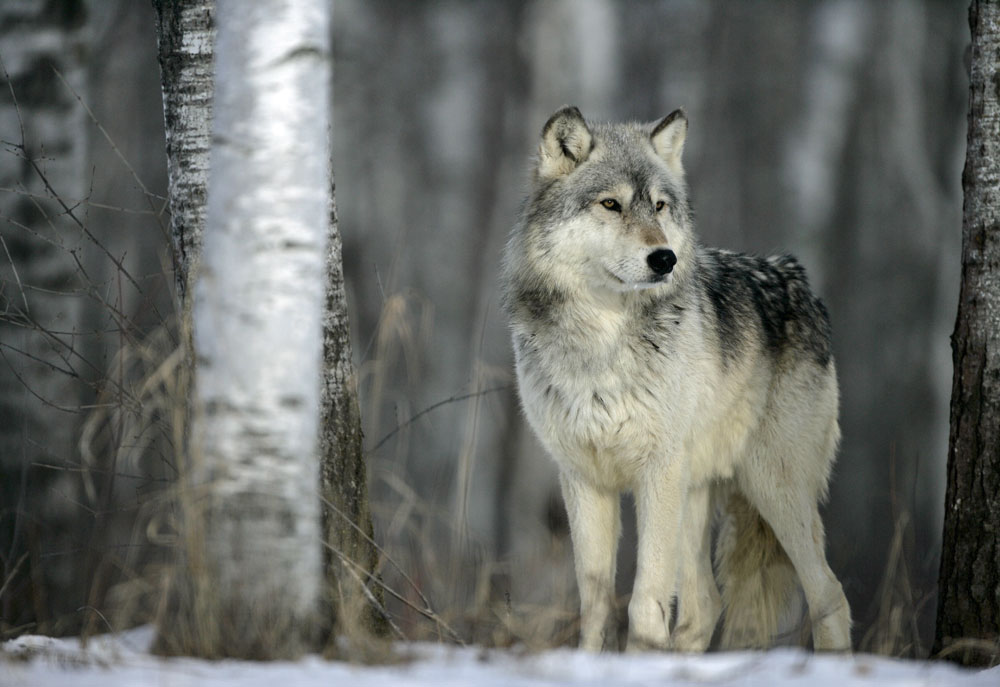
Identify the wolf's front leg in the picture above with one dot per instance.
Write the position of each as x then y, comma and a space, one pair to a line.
659, 501
594, 525
698, 600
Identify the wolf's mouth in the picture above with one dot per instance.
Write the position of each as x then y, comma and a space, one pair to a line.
636, 285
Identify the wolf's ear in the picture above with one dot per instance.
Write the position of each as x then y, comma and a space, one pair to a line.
566, 143
668, 139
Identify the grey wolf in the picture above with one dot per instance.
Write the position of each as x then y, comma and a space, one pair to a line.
700, 379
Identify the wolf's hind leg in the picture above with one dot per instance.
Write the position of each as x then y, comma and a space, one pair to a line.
698, 601
594, 525
792, 513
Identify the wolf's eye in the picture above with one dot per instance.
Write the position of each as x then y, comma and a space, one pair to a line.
611, 204
660, 205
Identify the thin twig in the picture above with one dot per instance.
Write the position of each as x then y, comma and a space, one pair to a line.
99, 615
427, 611
435, 406
68, 211
99, 471
107, 137
17, 277
429, 614
85, 201
13, 98
20, 225
367, 592
382, 552
134, 402
10, 576
24, 383
52, 366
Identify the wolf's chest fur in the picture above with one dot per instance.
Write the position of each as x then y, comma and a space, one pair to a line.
602, 385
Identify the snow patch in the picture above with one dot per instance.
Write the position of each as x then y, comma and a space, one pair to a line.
123, 660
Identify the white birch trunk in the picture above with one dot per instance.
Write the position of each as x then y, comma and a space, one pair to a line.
258, 321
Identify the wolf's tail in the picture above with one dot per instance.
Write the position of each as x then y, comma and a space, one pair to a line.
762, 602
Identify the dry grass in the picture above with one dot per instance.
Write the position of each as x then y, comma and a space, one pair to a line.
899, 604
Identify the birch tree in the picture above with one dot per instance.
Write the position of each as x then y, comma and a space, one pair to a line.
186, 45
968, 621
257, 318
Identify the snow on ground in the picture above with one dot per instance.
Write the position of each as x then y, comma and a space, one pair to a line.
122, 661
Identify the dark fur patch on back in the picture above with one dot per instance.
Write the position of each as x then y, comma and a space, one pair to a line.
769, 295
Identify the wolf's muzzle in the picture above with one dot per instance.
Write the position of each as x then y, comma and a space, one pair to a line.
661, 261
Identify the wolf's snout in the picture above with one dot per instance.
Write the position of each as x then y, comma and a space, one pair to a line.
661, 261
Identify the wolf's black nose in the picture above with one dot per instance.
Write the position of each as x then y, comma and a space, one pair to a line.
661, 261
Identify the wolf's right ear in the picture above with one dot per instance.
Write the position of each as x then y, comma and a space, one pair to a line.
668, 139
566, 143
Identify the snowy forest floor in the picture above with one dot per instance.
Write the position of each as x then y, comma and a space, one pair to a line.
122, 660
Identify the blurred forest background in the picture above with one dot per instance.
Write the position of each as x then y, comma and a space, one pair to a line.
831, 129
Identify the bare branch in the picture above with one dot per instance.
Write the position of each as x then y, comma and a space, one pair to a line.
17, 277
453, 399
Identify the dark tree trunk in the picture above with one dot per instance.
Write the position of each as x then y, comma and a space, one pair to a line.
185, 40
347, 522
185, 37
185, 32
968, 621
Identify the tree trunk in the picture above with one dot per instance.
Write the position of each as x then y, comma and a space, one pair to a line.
186, 55
185, 37
968, 623
256, 563
347, 521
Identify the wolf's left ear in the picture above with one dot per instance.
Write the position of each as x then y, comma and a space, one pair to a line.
566, 143
668, 139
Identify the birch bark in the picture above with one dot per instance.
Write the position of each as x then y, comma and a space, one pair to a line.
968, 622
257, 316
185, 37
186, 42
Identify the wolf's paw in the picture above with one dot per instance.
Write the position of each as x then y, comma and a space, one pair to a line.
648, 624
832, 631
697, 615
606, 640
689, 638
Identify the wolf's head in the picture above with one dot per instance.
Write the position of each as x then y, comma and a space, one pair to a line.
608, 208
